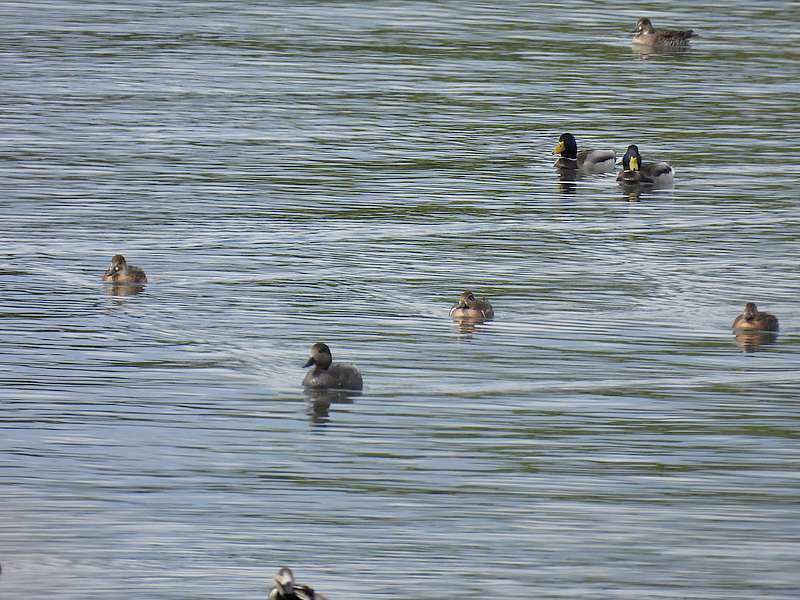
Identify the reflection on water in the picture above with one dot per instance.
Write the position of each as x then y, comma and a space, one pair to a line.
467, 326
567, 179
305, 171
751, 341
123, 290
318, 402
631, 194
650, 52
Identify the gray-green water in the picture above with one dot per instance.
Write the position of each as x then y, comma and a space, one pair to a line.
341, 171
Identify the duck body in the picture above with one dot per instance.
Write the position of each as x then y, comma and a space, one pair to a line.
287, 589
470, 307
587, 161
646, 35
119, 271
753, 319
638, 173
327, 374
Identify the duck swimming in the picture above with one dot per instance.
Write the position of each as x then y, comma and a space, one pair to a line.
647, 35
286, 588
470, 307
635, 172
119, 271
754, 320
328, 375
588, 161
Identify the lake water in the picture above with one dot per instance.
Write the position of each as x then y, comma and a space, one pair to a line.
342, 171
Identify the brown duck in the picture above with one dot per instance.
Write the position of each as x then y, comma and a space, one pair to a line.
754, 320
119, 271
470, 307
327, 374
647, 35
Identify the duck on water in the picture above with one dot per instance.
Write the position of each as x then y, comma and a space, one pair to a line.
646, 35
326, 374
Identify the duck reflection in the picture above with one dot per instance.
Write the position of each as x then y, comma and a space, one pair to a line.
319, 400
123, 290
632, 193
566, 180
752, 341
467, 326
647, 52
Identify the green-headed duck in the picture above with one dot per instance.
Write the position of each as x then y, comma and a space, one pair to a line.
636, 172
588, 161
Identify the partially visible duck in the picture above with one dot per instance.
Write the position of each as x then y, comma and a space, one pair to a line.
326, 374
470, 307
589, 161
754, 320
287, 589
647, 35
636, 172
119, 271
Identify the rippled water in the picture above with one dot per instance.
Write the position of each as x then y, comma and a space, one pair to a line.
341, 171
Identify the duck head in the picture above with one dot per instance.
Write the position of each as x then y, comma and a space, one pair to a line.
567, 147
643, 26
117, 266
750, 311
466, 300
284, 581
632, 160
319, 355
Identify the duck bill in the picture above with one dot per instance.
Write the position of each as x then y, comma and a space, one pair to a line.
559, 148
309, 362
634, 163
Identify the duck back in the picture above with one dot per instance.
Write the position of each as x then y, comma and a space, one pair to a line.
338, 375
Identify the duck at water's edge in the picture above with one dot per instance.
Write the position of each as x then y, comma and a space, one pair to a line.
119, 271
287, 589
327, 374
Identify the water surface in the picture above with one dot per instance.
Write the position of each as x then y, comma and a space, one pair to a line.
341, 171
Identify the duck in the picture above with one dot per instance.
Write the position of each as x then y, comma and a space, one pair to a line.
647, 35
470, 307
287, 589
754, 320
328, 375
589, 161
635, 172
119, 271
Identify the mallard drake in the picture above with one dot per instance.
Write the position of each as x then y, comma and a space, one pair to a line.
636, 172
287, 589
470, 307
589, 161
754, 320
647, 35
119, 271
328, 375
